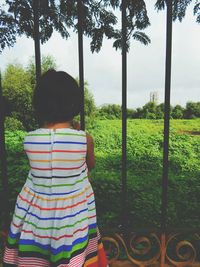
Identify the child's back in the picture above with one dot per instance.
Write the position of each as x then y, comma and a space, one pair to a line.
54, 223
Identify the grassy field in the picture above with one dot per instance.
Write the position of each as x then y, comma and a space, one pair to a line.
144, 171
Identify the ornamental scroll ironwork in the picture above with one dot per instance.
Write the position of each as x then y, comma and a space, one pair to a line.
153, 249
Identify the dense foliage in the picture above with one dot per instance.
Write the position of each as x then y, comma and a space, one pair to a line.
145, 152
151, 110
99, 19
110, 111
18, 84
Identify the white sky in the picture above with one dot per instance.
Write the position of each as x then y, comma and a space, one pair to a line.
146, 64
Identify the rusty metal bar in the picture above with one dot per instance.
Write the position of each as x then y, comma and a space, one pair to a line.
124, 115
37, 39
81, 63
166, 117
3, 162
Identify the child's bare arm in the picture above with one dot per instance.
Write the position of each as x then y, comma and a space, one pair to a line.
90, 158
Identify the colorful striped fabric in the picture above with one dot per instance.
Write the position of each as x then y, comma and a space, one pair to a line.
54, 223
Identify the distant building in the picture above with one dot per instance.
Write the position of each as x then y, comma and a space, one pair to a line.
154, 97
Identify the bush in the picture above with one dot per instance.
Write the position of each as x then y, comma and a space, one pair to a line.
12, 124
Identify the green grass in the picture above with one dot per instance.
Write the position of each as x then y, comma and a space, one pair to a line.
144, 172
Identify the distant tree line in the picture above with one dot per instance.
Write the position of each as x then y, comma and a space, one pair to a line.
19, 82
151, 110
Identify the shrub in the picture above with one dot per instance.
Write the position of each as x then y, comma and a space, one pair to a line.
12, 124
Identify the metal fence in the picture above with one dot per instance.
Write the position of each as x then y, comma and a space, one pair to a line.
142, 248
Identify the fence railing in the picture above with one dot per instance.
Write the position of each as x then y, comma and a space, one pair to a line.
141, 248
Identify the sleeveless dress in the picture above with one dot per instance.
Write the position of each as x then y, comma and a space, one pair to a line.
54, 222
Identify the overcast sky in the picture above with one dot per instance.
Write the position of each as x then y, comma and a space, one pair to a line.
146, 64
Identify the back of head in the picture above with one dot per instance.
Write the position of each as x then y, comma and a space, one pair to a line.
57, 97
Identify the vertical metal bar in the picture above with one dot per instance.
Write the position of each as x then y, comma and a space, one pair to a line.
37, 39
81, 66
166, 117
124, 113
3, 162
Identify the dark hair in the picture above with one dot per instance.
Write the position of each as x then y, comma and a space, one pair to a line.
56, 97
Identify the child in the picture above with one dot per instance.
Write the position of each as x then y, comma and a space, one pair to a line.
54, 223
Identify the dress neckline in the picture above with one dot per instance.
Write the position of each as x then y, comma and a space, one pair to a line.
55, 129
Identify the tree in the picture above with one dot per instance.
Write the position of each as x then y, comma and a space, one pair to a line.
8, 30
192, 110
99, 21
18, 90
138, 114
136, 20
20, 12
161, 108
48, 62
179, 8
110, 111
149, 110
18, 85
89, 103
90, 107
197, 11
177, 112
159, 112
130, 113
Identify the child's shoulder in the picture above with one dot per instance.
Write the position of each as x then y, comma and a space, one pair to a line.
41, 131
37, 133
81, 132
33, 132
74, 132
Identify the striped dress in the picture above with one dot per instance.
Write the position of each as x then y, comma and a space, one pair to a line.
54, 222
